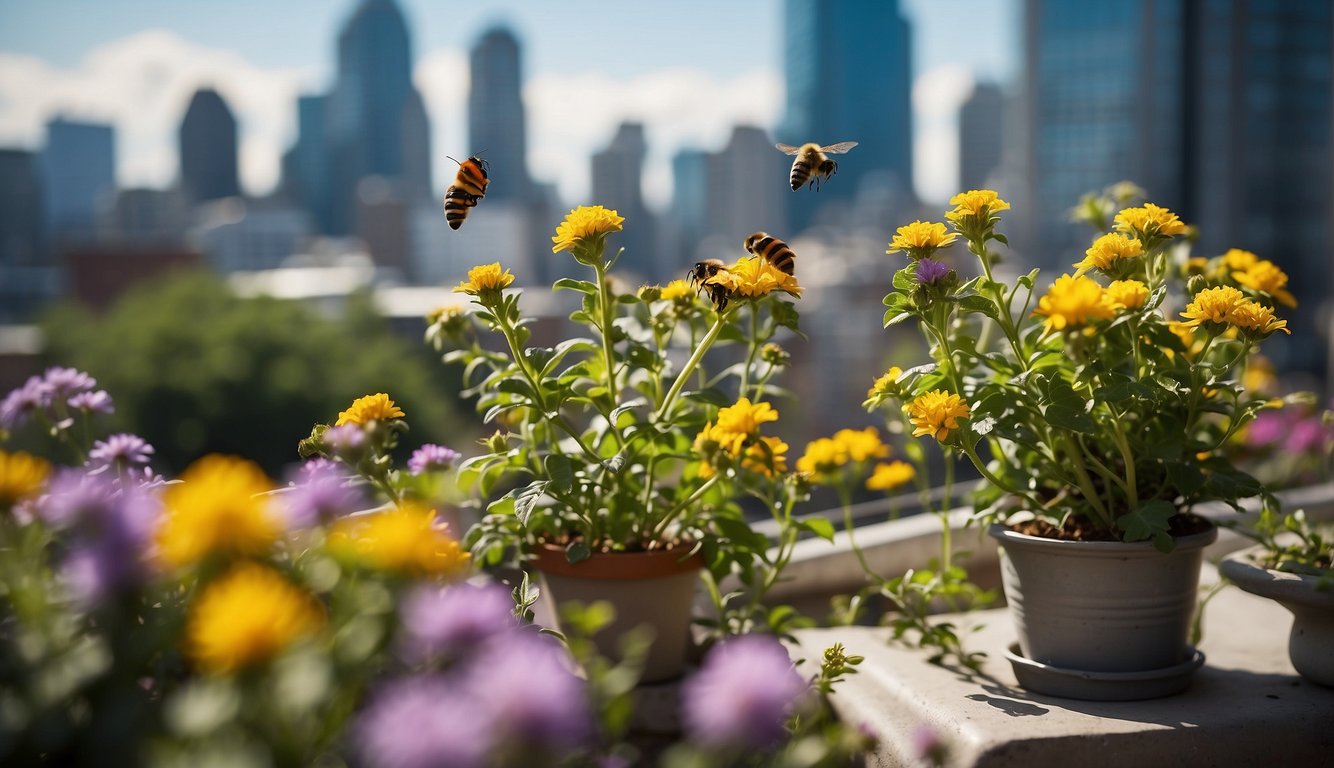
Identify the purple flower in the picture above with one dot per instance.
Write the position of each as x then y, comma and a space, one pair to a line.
344, 440
21, 403
319, 494
424, 722
927, 745
929, 271
111, 527
119, 453
64, 383
97, 401
1306, 436
432, 457
1268, 428
743, 694
529, 694
451, 621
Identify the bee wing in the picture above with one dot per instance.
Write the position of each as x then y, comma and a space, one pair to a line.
839, 148
788, 149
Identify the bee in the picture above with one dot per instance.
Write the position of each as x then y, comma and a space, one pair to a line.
469, 186
699, 277
773, 250
812, 164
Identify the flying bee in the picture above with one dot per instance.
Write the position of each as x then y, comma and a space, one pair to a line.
772, 250
812, 165
701, 273
469, 186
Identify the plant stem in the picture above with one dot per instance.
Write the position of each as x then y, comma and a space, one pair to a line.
698, 355
661, 527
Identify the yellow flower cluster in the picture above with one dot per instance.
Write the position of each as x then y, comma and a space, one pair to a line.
1127, 294
364, 410
920, 239
1264, 276
22, 476
826, 455
678, 290
937, 413
246, 617
1107, 250
767, 456
737, 424
1215, 308
1238, 260
1072, 302
886, 385
754, 277
486, 278
584, 224
1149, 222
218, 507
408, 539
887, 477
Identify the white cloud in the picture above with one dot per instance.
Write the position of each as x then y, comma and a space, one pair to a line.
142, 84
936, 96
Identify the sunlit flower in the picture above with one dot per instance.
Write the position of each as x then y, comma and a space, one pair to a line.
775, 355
219, 506
246, 617
1213, 307
886, 385
920, 239
23, 402
1265, 276
1128, 294
677, 290
766, 456
1257, 318
742, 695
1238, 260
110, 528
96, 401
486, 278
753, 277
1109, 249
408, 538
432, 458
1260, 377
975, 212
823, 457
364, 410
887, 477
451, 621
320, 493
119, 453
1072, 302
862, 444
1183, 331
936, 413
22, 476
423, 721
1149, 222
584, 225
738, 423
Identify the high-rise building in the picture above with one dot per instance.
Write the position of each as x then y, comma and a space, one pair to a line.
980, 124
208, 150
690, 202
78, 167
848, 67
737, 205
27, 278
236, 234
416, 177
496, 122
617, 183
306, 171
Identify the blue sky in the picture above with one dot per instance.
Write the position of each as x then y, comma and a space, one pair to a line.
714, 62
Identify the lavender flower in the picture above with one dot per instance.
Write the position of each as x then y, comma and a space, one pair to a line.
743, 695
319, 494
450, 621
930, 271
1305, 437
97, 401
1268, 428
529, 694
111, 527
119, 453
344, 440
432, 457
424, 722
64, 383
21, 403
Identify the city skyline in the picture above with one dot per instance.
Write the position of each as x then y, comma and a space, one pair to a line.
141, 84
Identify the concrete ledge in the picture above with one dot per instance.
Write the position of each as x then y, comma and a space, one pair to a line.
1245, 707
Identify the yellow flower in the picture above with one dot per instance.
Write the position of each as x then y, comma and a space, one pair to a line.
218, 506
887, 477
1213, 305
738, 423
936, 413
246, 617
1237, 260
823, 457
862, 444
583, 224
753, 277
364, 410
485, 278
408, 539
1195, 265
677, 289
1256, 317
22, 476
1108, 249
1128, 294
1259, 378
446, 314
1072, 302
1265, 276
974, 211
767, 457
920, 239
1184, 332
1149, 221
886, 385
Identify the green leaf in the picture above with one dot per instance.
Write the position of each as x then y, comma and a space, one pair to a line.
894, 317
577, 552
998, 237
526, 501
571, 284
980, 304
905, 279
1150, 521
785, 314
818, 526
711, 395
560, 471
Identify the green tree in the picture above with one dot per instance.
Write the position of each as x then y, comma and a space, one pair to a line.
195, 369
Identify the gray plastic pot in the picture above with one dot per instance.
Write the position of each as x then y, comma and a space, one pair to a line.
1311, 642
1101, 606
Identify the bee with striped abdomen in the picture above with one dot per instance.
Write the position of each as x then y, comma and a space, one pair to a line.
699, 277
813, 164
469, 186
772, 250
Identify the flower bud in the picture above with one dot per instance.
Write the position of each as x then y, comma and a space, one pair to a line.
1196, 284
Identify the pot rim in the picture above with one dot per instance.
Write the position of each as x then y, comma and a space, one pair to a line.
617, 566
1243, 569
1186, 543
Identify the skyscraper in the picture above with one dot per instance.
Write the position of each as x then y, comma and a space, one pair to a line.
20, 210
848, 66
306, 171
617, 184
980, 121
208, 154
496, 121
78, 166
737, 205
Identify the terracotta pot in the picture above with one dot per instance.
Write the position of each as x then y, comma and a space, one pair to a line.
656, 589
1102, 606
1311, 641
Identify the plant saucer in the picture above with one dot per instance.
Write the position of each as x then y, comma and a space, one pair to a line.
1103, 686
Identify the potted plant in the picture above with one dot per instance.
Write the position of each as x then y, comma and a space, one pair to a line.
1095, 412
618, 456
1293, 563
